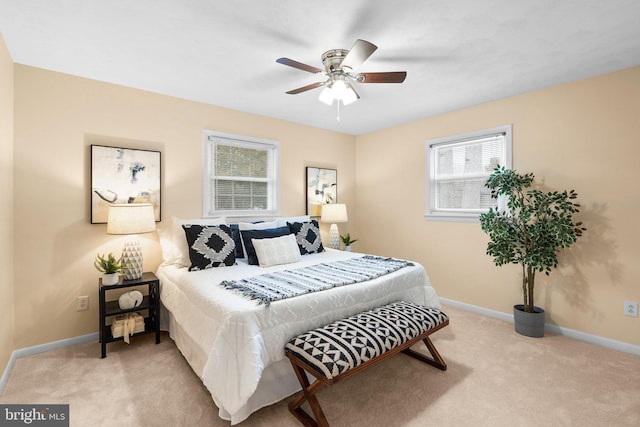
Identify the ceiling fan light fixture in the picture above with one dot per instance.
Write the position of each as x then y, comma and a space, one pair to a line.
350, 96
326, 96
339, 88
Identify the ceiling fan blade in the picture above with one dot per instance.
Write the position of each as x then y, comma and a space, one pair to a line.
359, 53
384, 77
299, 65
306, 88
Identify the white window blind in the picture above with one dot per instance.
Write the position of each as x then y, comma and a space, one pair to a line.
241, 175
457, 169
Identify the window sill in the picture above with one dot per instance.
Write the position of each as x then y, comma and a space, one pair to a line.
448, 217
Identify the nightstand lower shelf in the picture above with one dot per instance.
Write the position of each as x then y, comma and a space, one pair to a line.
148, 329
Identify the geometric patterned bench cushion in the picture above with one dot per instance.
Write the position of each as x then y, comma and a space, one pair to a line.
347, 343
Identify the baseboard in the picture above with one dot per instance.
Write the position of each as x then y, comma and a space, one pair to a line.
554, 329
7, 370
28, 351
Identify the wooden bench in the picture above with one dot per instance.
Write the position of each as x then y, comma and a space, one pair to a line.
342, 349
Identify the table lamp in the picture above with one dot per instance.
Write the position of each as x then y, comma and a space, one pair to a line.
334, 213
131, 219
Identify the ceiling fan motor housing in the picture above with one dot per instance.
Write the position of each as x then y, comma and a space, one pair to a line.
332, 59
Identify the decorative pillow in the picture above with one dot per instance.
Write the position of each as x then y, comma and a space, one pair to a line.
235, 233
257, 225
275, 251
180, 246
166, 244
249, 235
308, 236
279, 222
210, 246
301, 218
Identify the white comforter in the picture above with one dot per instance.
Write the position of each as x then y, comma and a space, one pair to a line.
241, 338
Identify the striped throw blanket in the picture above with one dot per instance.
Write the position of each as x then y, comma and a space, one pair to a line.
289, 283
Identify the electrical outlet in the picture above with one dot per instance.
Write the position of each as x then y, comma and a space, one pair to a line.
82, 303
631, 308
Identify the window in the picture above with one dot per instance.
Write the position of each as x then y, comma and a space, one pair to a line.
240, 175
457, 169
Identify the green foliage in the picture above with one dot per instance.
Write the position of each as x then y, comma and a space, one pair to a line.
346, 239
108, 264
534, 228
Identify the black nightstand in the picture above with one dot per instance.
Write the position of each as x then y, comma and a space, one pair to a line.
151, 302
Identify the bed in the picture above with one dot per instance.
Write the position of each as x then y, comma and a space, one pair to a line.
236, 345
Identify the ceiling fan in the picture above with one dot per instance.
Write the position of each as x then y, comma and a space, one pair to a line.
339, 66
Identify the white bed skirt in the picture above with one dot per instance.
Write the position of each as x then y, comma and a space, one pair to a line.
277, 382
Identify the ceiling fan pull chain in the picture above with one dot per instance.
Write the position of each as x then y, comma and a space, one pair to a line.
338, 117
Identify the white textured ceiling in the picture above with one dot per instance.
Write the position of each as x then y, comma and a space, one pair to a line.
457, 53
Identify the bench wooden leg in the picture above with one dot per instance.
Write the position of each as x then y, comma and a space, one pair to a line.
307, 395
436, 360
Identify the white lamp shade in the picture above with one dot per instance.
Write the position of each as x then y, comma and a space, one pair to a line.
350, 96
334, 212
132, 218
326, 96
339, 89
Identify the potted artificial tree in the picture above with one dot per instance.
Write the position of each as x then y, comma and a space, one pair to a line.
530, 232
110, 267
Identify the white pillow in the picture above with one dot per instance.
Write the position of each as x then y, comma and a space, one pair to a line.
278, 222
167, 246
301, 218
277, 250
180, 245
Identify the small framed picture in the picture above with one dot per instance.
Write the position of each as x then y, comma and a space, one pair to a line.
322, 188
123, 175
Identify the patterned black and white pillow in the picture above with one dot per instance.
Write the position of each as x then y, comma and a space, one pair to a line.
210, 246
308, 236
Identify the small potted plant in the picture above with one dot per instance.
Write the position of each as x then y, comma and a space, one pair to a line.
530, 232
347, 241
110, 267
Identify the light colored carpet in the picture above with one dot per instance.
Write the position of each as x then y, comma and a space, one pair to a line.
495, 378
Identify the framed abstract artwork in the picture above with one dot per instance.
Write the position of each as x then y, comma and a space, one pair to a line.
322, 188
123, 175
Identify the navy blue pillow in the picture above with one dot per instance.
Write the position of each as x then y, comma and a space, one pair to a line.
307, 236
235, 233
209, 246
269, 233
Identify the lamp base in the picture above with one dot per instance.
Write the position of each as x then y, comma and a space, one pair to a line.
132, 258
334, 237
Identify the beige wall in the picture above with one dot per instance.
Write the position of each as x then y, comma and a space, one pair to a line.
583, 135
6, 206
57, 117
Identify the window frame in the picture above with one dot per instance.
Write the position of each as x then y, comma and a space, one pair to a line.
273, 179
460, 215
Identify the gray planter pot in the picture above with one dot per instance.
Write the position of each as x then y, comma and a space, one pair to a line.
529, 324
